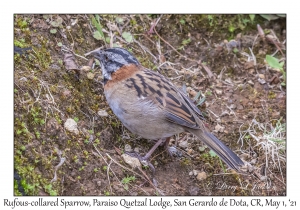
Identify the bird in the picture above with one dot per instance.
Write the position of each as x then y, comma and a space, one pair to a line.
151, 106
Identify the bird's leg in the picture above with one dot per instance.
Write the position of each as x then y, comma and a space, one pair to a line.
150, 152
145, 160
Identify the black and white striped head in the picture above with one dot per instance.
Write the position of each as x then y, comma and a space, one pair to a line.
113, 59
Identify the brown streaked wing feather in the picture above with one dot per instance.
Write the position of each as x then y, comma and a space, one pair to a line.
191, 104
177, 108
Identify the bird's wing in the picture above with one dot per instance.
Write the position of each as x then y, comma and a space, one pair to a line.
176, 106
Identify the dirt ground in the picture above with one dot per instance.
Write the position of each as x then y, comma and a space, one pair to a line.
237, 68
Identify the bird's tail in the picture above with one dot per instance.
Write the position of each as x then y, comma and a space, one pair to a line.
228, 156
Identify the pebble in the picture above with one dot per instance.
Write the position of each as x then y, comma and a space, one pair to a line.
232, 106
219, 128
250, 82
251, 71
263, 178
127, 148
219, 92
90, 75
71, 126
99, 183
201, 176
261, 81
195, 172
262, 76
193, 190
201, 149
132, 161
102, 113
190, 151
183, 144
85, 68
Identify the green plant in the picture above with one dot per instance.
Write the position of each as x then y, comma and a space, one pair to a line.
198, 99
99, 33
127, 180
210, 19
37, 134
272, 17
184, 43
208, 93
20, 43
252, 16
182, 21
274, 63
76, 119
48, 189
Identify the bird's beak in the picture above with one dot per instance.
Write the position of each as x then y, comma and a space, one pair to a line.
96, 52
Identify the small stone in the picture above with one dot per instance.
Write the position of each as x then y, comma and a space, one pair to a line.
262, 76
201, 149
195, 172
132, 161
193, 190
219, 128
137, 150
71, 126
263, 178
85, 68
251, 71
201, 176
191, 173
127, 148
192, 92
183, 144
99, 183
219, 92
250, 82
190, 151
102, 113
90, 75
261, 81
232, 106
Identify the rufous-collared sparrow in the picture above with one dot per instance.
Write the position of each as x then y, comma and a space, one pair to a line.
149, 105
